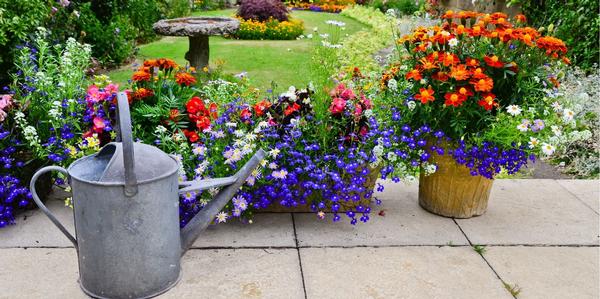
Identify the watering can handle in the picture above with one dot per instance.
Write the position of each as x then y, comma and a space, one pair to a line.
41, 205
124, 118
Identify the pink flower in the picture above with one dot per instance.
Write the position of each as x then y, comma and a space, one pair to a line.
5, 101
348, 94
2, 115
112, 88
337, 106
357, 110
99, 124
363, 131
93, 94
368, 104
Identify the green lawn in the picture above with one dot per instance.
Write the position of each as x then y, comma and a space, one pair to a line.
285, 62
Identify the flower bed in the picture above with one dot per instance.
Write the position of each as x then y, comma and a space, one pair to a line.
332, 6
271, 29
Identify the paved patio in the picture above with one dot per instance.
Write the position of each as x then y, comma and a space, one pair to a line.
540, 236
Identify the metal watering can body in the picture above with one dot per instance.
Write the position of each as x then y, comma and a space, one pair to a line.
126, 212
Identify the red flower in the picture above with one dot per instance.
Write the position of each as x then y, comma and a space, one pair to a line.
459, 72
440, 76
202, 123
454, 99
213, 110
493, 61
192, 136
261, 107
488, 101
425, 95
449, 59
174, 114
291, 109
142, 93
465, 91
245, 114
483, 84
414, 74
337, 106
195, 105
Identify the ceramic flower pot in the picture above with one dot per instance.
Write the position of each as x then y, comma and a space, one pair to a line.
452, 191
344, 205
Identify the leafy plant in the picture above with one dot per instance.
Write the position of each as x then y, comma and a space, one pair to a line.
405, 7
263, 10
271, 29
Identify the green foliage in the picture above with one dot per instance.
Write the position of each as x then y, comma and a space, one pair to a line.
479, 249
358, 49
143, 14
174, 8
113, 42
405, 7
17, 20
577, 23
211, 4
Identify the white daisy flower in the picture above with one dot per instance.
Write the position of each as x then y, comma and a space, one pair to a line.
513, 110
453, 42
568, 115
548, 149
221, 217
533, 142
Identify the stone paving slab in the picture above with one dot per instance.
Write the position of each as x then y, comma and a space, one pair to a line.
587, 191
226, 273
533, 212
548, 272
398, 272
239, 273
404, 223
266, 230
34, 229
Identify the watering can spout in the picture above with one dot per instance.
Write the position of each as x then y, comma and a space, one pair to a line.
230, 185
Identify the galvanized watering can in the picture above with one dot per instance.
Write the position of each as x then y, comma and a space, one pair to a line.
126, 210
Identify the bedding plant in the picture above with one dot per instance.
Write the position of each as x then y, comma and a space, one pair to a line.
324, 153
267, 19
490, 83
41, 116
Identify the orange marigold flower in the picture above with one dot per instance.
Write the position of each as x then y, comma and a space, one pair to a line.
459, 72
493, 61
449, 14
174, 115
165, 63
488, 101
425, 95
454, 99
150, 63
472, 62
141, 76
465, 91
185, 79
142, 93
521, 18
449, 59
476, 31
483, 84
422, 47
566, 60
414, 74
478, 73
552, 45
440, 76
460, 29
428, 64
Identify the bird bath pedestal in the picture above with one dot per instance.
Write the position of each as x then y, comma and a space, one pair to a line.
197, 29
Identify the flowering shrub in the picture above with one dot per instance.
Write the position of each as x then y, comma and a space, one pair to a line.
334, 6
271, 29
488, 83
263, 10
41, 116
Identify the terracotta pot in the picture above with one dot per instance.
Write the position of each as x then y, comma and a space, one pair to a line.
452, 191
344, 205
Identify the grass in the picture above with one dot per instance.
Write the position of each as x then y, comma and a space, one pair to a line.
285, 62
514, 290
479, 249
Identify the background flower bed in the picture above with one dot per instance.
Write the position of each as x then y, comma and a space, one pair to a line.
267, 19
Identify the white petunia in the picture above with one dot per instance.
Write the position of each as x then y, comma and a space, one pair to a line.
513, 110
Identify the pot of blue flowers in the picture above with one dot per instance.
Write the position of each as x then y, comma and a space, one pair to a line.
491, 85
